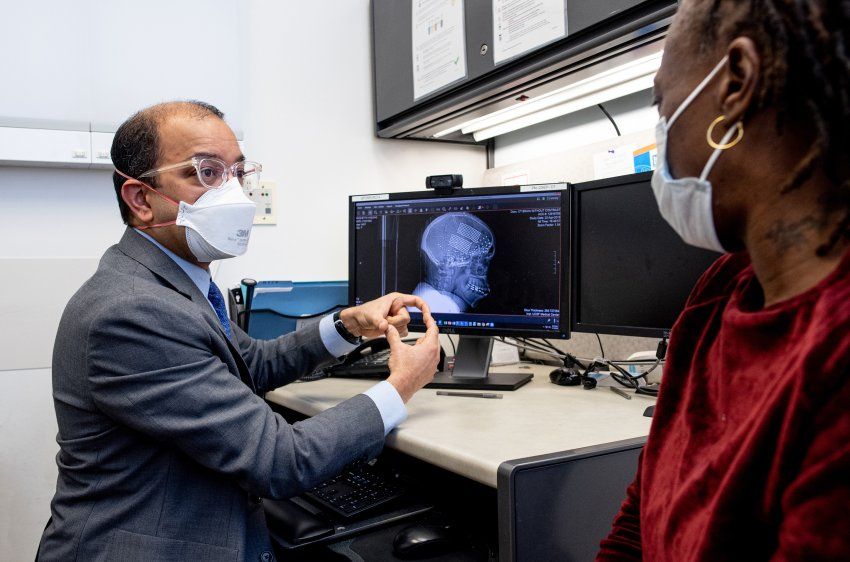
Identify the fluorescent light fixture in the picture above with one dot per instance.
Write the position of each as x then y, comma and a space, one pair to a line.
450, 130
571, 106
607, 85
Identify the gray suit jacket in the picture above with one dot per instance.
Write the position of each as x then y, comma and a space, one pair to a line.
165, 439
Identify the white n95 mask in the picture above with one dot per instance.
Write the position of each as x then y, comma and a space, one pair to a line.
218, 225
686, 203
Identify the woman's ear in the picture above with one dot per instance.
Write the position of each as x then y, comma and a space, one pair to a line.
738, 84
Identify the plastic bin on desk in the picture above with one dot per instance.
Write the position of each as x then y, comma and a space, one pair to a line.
280, 307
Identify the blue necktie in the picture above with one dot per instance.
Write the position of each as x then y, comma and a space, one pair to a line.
217, 300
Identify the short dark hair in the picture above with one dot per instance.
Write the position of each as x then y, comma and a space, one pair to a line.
135, 148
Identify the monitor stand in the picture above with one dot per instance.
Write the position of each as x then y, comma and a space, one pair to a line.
472, 366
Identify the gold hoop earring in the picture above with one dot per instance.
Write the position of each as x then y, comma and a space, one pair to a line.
710, 133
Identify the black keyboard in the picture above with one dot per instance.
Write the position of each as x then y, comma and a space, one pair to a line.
374, 366
380, 358
314, 376
357, 490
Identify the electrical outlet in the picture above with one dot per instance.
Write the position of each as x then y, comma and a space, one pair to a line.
265, 196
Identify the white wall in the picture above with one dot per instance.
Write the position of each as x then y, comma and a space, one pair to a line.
27, 465
308, 119
57, 213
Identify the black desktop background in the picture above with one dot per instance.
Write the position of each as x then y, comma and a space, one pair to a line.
523, 274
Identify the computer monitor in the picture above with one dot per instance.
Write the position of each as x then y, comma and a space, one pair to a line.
488, 261
631, 272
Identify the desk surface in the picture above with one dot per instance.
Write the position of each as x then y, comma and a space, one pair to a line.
473, 436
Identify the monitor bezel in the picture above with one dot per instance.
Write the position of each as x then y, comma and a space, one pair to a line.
566, 200
587, 327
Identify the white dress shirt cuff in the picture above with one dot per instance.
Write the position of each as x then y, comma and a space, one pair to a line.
389, 404
334, 343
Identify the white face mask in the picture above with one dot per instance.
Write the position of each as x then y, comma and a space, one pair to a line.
685, 203
218, 225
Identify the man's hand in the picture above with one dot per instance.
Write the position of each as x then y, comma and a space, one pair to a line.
413, 366
372, 319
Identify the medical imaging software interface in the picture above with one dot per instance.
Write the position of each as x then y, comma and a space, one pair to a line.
483, 261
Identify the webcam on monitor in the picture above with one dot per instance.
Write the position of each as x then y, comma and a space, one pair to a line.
446, 182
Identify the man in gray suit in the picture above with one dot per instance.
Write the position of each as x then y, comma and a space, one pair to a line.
166, 444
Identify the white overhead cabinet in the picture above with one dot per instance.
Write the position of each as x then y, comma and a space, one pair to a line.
21, 146
70, 62
101, 144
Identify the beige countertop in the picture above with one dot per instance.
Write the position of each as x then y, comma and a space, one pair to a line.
473, 436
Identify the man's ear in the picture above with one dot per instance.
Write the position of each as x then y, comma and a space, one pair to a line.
133, 194
738, 84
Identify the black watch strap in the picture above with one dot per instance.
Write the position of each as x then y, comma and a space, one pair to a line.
343, 332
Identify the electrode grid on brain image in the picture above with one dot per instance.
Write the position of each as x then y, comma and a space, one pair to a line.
456, 250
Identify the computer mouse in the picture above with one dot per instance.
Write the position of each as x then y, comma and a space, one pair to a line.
565, 376
424, 540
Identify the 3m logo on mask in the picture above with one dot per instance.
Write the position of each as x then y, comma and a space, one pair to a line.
243, 233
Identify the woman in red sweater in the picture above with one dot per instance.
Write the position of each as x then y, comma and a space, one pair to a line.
749, 453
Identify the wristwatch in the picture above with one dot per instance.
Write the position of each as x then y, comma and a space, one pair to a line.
343, 331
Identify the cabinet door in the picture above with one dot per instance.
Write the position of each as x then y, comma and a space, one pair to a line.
44, 61
101, 146
98, 62
44, 147
159, 50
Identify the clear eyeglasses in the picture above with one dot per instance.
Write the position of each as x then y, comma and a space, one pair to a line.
213, 173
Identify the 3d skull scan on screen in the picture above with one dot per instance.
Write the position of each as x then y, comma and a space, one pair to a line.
487, 259
456, 250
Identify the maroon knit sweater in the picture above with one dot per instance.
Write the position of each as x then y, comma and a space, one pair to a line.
748, 457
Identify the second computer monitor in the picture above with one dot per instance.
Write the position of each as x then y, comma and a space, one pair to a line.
631, 272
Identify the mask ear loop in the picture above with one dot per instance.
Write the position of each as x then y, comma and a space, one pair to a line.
166, 197
697, 91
